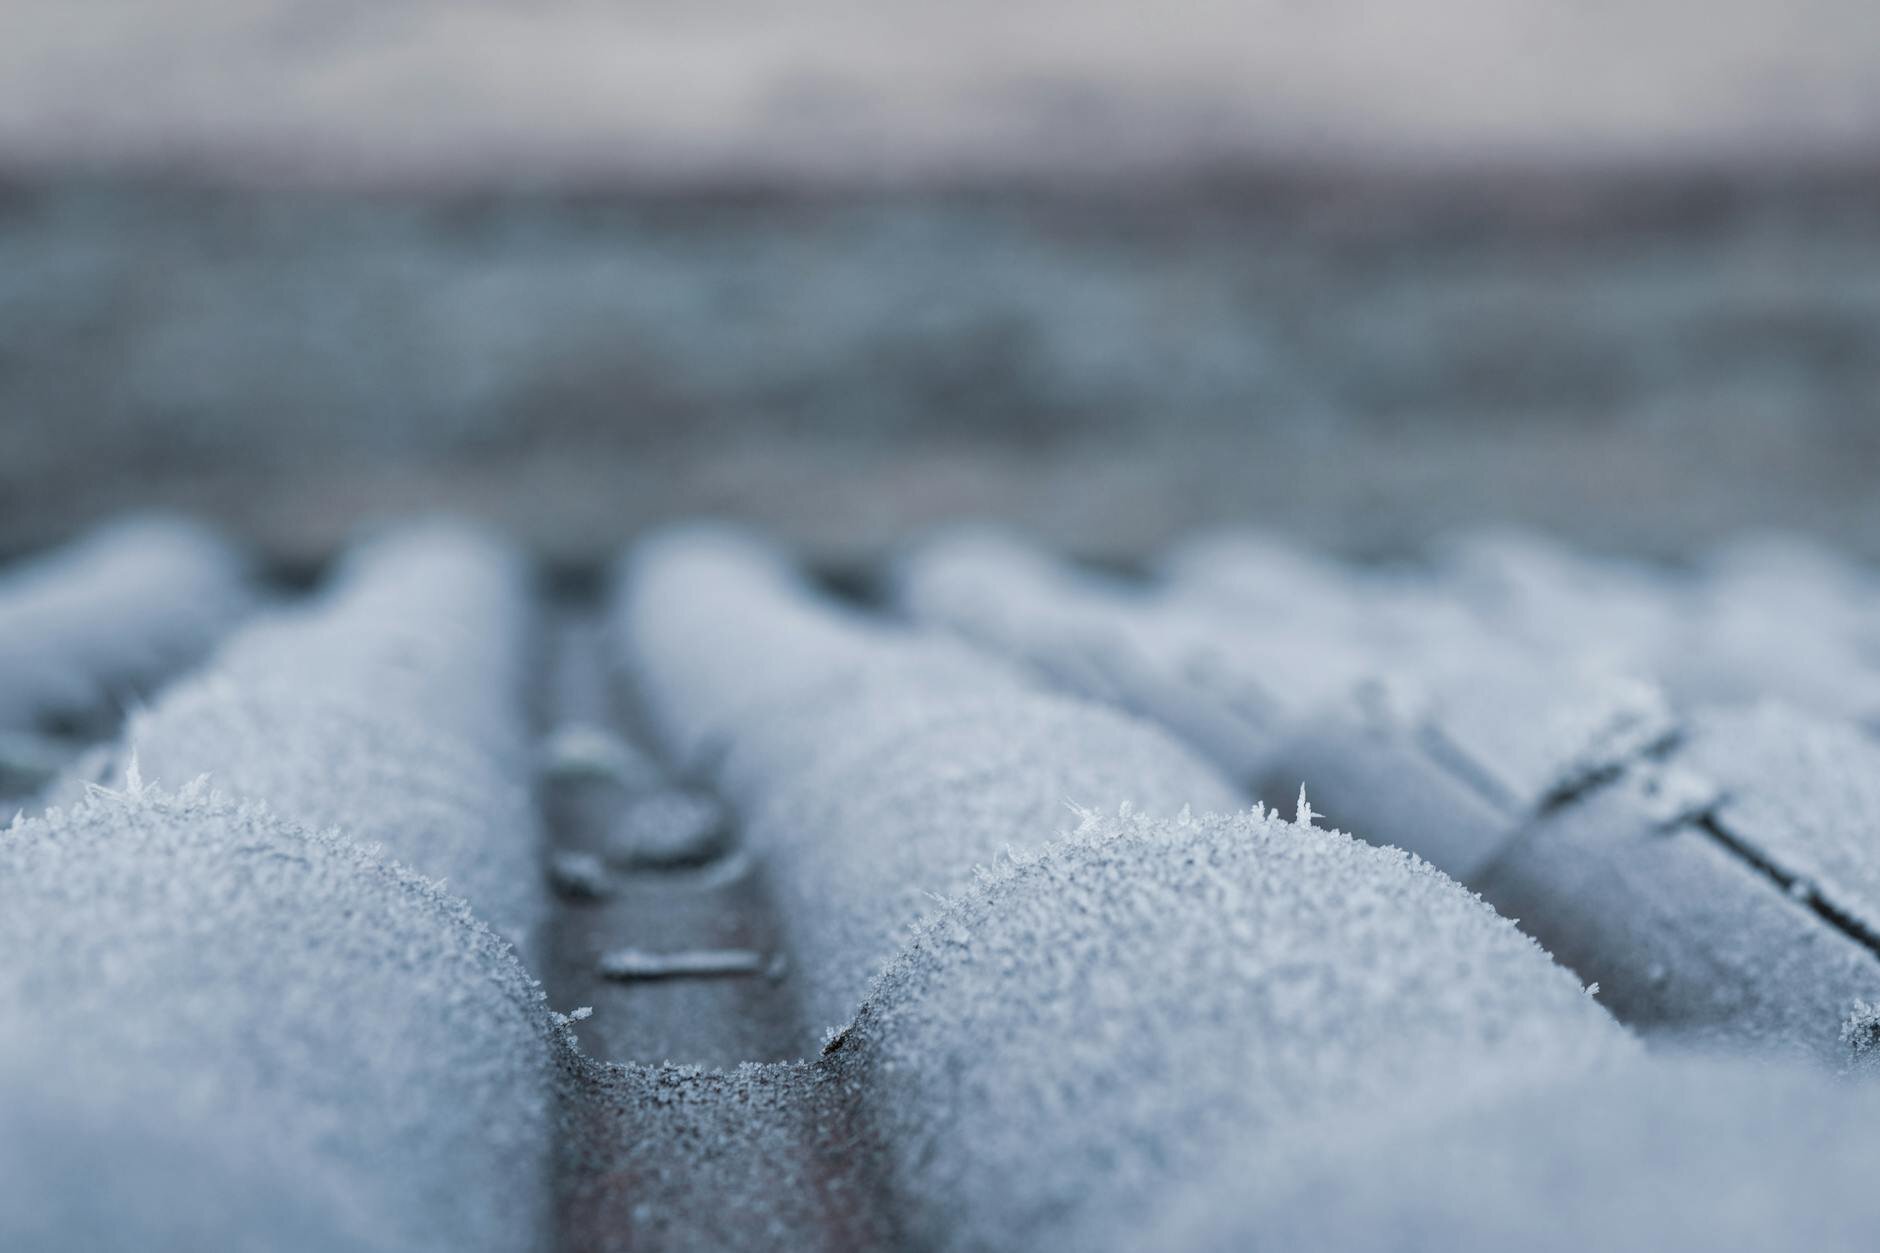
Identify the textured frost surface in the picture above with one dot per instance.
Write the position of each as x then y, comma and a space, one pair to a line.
390, 708
1258, 654
1860, 1033
266, 1038
872, 768
1103, 641
1776, 620
1765, 618
1536, 731
1805, 795
719, 631
1686, 936
1522, 715
681, 1158
1568, 604
1666, 1153
92, 626
1083, 1030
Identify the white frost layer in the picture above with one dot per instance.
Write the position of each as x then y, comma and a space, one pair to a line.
1782, 620
872, 767
1686, 935
1804, 794
389, 707
1103, 640
1083, 1031
1666, 1154
1280, 667
1563, 602
89, 628
1762, 618
1525, 714
265, 1038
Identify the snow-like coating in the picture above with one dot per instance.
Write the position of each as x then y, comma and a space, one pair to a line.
1526, 714
90, 627
1685, 935
718, 633
390, 707
1079, 996
1490, 716
1781, 620
1804, 794
1564, 602
1535, 731
1102, 640
1371, 687
1760, 618
1084, 1029
1077, 1022
1665, 1153
689, 1160
873, 768
220, 1030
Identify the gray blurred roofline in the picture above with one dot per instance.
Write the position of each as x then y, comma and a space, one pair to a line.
1644, 359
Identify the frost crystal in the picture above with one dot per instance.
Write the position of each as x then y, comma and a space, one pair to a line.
1860, 1032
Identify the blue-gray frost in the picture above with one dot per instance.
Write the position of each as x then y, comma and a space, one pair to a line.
1411, 721
1496, 712
1082, 997
1064, 1026
1761, 618
1802, 793
89, 628
1083, 1030
1663, 1153
1724, 893
390, 707
221, 1030
872, 767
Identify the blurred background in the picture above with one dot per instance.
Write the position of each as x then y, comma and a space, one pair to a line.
1104, 271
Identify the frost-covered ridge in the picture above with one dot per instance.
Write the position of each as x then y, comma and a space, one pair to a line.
89, 630
1573, 738
225, 1030
1091, 1024
1253, 900
1062, 1034
389, 707
874, 767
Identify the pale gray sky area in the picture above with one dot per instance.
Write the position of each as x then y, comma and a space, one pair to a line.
422, 90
